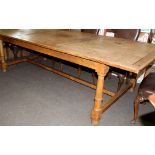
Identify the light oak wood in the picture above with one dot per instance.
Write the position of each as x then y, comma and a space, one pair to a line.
95, 52
96, 112
2, 57
131, 56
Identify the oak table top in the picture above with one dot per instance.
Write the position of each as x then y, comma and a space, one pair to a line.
116, 52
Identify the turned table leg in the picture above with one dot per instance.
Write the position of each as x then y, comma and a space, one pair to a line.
2, 57
96, 112
133, 81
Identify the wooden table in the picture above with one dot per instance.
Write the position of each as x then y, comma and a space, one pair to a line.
96, 52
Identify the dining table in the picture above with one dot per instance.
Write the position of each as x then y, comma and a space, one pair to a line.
99, 53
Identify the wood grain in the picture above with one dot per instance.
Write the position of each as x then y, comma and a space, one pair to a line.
115, 52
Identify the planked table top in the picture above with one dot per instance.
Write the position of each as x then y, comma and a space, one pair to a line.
116, 52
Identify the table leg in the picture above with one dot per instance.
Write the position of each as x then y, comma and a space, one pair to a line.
133, 82
96, 112
2, 57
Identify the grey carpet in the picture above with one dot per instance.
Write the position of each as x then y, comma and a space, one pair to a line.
30, 95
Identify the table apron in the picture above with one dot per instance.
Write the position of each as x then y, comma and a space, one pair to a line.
58, 54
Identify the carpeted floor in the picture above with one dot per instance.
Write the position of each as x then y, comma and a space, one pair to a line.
30, 95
